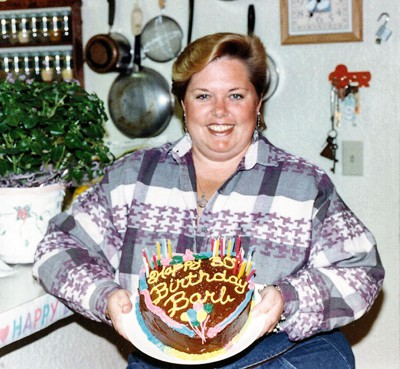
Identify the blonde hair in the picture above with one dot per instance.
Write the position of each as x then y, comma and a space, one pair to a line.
247, 48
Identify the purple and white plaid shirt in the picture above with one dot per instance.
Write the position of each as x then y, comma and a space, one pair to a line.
306, 239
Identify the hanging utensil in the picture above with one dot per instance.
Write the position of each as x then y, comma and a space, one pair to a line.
190, 22
161, 37
272, 78
140, 102
108, 52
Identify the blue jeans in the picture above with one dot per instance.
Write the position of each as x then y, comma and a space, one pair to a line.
324, 351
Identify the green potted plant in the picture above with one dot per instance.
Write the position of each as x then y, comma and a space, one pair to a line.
51, 138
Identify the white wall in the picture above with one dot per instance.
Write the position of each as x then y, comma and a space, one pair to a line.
298, 118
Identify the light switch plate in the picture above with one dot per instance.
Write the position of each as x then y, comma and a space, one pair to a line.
353, 158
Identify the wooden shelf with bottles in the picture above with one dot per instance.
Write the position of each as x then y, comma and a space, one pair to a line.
44, 29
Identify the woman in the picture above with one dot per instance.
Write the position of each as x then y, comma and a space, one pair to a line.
319, 264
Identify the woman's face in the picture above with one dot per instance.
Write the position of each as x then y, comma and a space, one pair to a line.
221, 108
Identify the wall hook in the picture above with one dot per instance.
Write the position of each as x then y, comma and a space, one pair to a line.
383, 32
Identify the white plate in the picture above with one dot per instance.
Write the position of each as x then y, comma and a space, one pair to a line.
158, 350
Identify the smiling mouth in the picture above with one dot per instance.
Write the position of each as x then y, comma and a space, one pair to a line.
220, 128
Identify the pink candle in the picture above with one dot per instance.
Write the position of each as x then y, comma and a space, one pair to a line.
155, 261
237, 246
250, 275
236, 265
145, 256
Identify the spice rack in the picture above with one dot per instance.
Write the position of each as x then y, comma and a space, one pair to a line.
41, 39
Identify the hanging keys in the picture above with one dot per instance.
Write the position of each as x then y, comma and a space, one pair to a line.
331, 147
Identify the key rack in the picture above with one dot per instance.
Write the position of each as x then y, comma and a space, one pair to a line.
343, 84
341, 77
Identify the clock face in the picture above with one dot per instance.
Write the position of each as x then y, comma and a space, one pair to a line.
319, 16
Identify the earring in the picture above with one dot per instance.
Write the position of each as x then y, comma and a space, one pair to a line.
184, 123
257, 128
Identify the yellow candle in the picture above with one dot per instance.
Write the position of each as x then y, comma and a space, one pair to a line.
229, 248
241, 271
249, 264
158, 250
216, 248
169, 249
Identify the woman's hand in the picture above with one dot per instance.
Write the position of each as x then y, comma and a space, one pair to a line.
119, 303
272, 305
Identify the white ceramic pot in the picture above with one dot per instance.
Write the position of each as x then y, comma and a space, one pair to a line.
24, 216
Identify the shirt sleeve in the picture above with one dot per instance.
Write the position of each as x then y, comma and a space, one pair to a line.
77, 259
343, 274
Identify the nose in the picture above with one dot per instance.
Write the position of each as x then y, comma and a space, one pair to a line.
219, 108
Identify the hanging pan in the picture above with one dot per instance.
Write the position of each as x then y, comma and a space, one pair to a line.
272, 78
139, 101
161, 37
108, 52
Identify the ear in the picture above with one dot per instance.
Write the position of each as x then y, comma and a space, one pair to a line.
183, 106
260, 102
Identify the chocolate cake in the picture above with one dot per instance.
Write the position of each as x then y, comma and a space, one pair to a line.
196, 302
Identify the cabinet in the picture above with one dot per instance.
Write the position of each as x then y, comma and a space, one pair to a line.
42, 39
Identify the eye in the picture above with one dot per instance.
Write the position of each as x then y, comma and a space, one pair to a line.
236, 96
202, 96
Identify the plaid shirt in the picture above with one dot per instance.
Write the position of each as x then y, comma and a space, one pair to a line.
306, 239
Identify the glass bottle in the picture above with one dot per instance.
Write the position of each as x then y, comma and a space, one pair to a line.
5, 31
23, 34
57, 68
66, 28
16, 67
47, 71
37, 68
14, 31
67, 71
7, 64
55, 32
28, 69
34, 29
44, 37
5, 68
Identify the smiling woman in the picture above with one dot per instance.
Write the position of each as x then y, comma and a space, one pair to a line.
319, 263
221, 104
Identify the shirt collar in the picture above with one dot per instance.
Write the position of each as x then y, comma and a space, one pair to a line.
261, 152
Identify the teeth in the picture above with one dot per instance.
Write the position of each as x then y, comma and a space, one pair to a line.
220, 127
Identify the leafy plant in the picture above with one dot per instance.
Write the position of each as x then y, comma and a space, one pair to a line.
50, 132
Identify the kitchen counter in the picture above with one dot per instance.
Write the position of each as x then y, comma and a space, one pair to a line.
25, 308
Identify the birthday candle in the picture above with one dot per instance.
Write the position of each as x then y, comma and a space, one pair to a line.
158, 250
216, 247
250, 256
237, 248
155, 261
222, 248
146, 265
250, 275
241, 271
169, 249
149, 259
229, 250
249, 264
236, 265
145, 256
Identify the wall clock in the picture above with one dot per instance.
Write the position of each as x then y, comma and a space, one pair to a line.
317, 21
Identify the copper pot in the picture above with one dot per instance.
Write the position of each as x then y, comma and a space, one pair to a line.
110, 52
